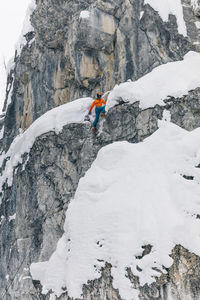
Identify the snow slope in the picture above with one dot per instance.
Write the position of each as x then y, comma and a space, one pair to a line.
53, 120
166, 7
133, 195
171, 79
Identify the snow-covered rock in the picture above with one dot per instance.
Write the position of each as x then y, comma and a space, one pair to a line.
47, 150
173, 79
133, 195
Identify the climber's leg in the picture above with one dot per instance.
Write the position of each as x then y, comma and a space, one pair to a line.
97, 111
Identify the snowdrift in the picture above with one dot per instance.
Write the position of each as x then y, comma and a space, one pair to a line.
133, 195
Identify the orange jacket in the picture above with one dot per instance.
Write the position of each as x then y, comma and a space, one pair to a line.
97, 102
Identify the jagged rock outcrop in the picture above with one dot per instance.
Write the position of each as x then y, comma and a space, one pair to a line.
71, 57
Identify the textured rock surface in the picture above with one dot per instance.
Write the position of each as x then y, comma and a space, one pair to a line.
191, 16
181, 281
43, 187
72, 57
68, 56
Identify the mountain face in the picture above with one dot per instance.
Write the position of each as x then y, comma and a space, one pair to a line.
76, 49
67, 56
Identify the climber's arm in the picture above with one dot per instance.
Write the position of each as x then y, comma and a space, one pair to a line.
92, 106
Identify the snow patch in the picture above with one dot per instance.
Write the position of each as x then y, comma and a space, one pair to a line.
27, 27
1, 132
12, 217
26, 277
167, 7
166, 116
84, 14
133, 195
197, 24
172, 79
141, 14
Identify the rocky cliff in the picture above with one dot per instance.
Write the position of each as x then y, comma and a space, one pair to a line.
66, 57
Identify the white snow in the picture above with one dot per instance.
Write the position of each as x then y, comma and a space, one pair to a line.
12, 217
26, 277
166, 115
141, 14
133, 195
166, 7
1, 132
27, 27
197, 24
2, 219
53, 120
84, 14
171, 79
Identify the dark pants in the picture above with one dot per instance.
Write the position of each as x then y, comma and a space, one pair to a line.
98, 111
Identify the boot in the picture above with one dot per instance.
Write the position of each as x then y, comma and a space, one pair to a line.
94, 129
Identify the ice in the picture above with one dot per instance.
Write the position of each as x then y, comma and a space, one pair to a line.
12, 217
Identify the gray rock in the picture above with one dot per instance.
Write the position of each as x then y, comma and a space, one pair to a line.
70, 58
45, 183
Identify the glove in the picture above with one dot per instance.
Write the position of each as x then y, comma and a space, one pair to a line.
89, 113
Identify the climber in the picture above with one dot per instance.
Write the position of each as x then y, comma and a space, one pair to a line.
99, 110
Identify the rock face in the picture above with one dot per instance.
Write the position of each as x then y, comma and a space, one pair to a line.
45, 183
67, 57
